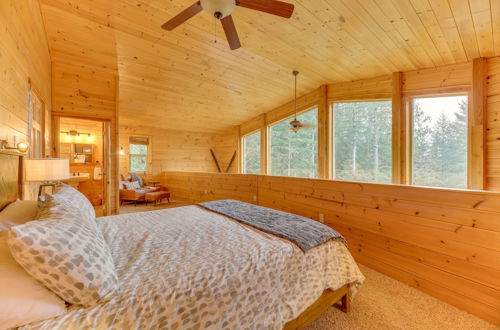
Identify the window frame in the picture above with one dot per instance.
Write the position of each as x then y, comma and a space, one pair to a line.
331, 133
407, 138
242, 141
146, 155
289, 117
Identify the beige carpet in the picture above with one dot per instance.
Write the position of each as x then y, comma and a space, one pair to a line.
142, 207
384, 303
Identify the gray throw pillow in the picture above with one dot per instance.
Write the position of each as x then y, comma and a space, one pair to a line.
136, 177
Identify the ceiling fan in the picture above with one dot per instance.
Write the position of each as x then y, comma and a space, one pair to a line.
222, 10
297, 125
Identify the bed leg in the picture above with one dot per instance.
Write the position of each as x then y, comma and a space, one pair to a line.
346, 303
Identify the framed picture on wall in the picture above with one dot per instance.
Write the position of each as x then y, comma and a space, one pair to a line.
37, 125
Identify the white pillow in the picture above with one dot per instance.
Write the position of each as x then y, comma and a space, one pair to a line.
22, 298
133, 185
81, 204
17, 213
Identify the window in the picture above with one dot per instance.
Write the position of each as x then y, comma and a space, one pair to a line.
295, 154
439, 141
362, 141
138, 150
251, 153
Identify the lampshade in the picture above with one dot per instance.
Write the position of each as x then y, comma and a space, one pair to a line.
46, 169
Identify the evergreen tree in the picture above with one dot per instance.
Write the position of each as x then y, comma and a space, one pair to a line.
362, 139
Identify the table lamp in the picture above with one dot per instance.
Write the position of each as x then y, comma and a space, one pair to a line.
46, 170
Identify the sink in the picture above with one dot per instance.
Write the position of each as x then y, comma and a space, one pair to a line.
81, 176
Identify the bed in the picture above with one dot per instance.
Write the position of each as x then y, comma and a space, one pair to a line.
189, 268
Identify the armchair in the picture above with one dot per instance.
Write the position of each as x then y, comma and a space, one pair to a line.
137, 194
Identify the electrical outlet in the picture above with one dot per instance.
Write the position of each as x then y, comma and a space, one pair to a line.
321, 218
205, 191
254, 198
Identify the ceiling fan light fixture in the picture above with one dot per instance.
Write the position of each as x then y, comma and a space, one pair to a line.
295, 125
218, 8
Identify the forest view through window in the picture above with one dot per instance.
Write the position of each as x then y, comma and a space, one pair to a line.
439, 141
295, 154
363, 141
251, 156
138, 150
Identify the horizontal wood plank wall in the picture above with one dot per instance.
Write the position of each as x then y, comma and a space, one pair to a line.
24, 55
445, 79
180, 151
200, 187
443, 242
225, 145
83, 92
366, 89
493, 125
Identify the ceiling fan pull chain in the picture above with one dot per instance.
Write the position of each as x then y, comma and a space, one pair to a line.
215, 30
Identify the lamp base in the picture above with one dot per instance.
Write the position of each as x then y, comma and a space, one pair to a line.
43, 185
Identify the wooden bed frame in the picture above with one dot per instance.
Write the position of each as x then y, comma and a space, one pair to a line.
327, 299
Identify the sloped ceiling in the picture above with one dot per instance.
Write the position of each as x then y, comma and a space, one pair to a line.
184, 80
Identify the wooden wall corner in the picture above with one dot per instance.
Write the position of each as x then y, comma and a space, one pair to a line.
477, 125
397, 118
323, 134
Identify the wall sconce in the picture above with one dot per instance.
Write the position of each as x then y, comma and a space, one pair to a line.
21, 146
122, 152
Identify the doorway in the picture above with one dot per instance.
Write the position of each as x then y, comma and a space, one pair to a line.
85, 142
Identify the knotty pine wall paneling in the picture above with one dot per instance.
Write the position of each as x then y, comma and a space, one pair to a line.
196, 187
441, 241
24, 57
225, 145
84, 92
180, 150
493, 125
440, 80
364, 89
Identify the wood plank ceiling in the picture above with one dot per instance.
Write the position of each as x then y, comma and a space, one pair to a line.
183, 80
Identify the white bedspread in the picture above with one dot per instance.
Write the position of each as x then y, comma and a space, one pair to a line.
189, 268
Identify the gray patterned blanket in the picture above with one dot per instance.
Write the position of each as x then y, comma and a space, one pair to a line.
302, 231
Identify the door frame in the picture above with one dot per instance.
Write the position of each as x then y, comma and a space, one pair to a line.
106, 166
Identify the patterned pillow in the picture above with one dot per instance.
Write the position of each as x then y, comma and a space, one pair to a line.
76, 199
68, 254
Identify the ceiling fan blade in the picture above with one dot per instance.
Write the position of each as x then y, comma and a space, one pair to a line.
231, 33
273, 7
182, 16
309, 126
